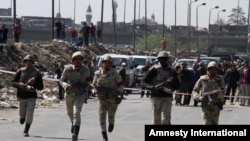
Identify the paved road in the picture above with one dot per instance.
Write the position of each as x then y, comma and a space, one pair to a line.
52, 124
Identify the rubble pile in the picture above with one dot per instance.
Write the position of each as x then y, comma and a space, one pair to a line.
47, 55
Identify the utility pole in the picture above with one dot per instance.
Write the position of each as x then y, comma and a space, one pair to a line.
175, 46
124, 11
14, 10
114, 21
53, 20
248, 23
102, 19
146, 26
134, 23
163, 19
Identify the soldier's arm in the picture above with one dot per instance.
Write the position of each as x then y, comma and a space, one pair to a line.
16, 79
148, 77
196, 91
63, 80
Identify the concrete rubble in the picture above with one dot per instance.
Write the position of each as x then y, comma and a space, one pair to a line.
47, 55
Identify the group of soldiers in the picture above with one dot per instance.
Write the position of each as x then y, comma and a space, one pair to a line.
75, 81
161, 79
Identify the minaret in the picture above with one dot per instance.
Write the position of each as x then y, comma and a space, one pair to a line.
89, 15
153, 18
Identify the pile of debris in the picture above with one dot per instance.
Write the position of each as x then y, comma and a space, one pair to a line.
47, 55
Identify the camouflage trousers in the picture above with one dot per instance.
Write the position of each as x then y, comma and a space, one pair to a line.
161, 110
107, 106
27, 108
74, 105
210, 114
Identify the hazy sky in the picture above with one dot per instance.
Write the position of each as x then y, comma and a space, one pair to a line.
43, 8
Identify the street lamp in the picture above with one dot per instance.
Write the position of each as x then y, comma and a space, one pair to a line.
208, 28
74, 12
189, 22
218, 25
197, 30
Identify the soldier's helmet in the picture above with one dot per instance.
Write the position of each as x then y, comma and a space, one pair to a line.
76, 54
212, 64
163, 54
29, 58
107, 58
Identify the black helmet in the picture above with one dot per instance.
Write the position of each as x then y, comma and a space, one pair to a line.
29, 58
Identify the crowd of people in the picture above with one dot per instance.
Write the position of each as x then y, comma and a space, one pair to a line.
87, 33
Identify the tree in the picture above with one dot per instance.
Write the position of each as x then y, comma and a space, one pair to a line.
237, 17
154, 43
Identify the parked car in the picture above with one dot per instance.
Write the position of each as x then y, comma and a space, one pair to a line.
187, 60
139, 62
118, 59
206, 60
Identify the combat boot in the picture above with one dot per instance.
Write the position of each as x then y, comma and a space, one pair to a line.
105, 136
111, 127
76, 130
22, 120
26, 130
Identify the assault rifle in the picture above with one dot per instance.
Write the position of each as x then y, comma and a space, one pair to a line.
162, 85
208, 95
107, 90
80, 85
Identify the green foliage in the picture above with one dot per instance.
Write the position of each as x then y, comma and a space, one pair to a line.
154, 43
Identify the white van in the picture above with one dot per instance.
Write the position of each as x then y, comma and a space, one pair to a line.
118, 59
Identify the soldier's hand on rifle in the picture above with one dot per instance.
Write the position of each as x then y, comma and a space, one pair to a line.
31, 81
152, 88
71, 87
22, 86
114, 92
97, 91
215, 93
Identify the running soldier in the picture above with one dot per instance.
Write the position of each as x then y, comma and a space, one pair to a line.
75, 81
209, 90
108, 85
27, 81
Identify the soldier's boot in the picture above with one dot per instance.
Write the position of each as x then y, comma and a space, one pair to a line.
111, 127
76, 130
22, 120
26, 130
105, 136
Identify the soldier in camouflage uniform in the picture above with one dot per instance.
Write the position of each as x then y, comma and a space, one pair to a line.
75, 81
161, 100
108, 85
213, 85
27, 80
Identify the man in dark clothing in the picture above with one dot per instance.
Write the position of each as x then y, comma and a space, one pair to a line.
86, 30
184, 80
27, 80
232, 77
4, 33
144, 71
194, 76
161, 98
58, 29
122, 72
99, 33
58, 73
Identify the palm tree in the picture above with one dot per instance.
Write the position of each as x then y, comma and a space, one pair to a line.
237, 17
